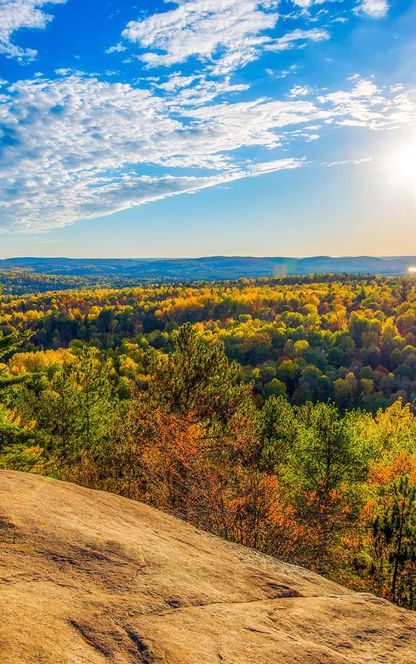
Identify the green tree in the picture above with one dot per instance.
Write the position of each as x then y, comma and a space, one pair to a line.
97, 404
8, 344
394, 537
14, 438
196, 378
73, 405
277, 430
275, 388
326, 453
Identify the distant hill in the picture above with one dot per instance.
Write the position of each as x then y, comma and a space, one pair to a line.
91, 577
210, 268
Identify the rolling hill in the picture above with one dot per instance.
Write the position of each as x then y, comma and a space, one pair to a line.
210, 268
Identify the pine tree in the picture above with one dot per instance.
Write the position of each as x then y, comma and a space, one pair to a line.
96, 400
394, 535
196, 379
12, 434
8, 344
75, 406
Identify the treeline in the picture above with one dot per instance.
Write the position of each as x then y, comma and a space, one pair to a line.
334, 491
348, 340
22, 282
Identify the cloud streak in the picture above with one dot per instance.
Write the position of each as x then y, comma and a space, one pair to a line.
76, 147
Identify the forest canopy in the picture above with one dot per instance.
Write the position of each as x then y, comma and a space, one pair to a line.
278, 413
348, 340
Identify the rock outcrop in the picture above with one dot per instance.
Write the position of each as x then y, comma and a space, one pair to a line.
92, 578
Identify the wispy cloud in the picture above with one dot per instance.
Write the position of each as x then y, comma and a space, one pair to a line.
118, 48
296, 38
226, 33
229, 33
207, 29
18, 14
76, 147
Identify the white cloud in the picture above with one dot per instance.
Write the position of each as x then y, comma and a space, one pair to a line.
176, 82
374, 8
118, 48
299, 91
368, 106
255, 123
296, 38
348, 162
202, 92
228, 34
303, 3
77, 147
229, 29
275, 165
18, 14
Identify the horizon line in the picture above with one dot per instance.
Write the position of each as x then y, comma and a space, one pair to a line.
200, 257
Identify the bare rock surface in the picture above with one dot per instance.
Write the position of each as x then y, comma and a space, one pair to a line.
92, 578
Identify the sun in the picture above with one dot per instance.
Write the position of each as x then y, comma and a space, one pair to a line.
402, 164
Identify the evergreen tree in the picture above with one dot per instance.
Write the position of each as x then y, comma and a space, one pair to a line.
96, 404
277, 433
12, 434
196, 378
394, 536
74, 406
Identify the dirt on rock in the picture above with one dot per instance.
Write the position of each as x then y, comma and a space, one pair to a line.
88, 577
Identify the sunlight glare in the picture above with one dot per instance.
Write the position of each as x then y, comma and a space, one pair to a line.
402, 165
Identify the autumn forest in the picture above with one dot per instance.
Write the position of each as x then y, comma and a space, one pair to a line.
278, 413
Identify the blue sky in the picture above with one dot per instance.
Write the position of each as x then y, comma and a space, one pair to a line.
200, 127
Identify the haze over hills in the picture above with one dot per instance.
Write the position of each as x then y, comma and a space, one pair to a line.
91, 577
211, 267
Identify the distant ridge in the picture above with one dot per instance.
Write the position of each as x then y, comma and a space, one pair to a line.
211, 267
